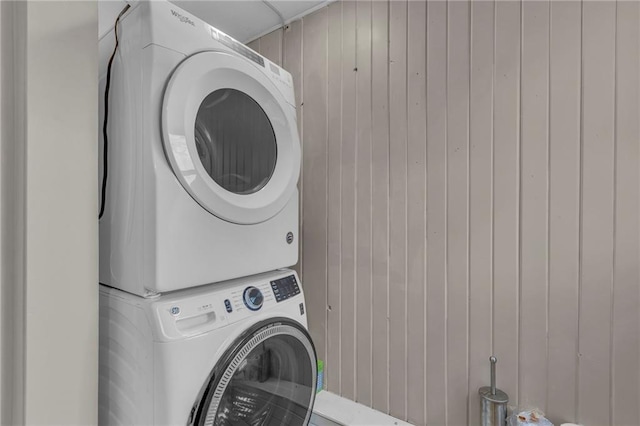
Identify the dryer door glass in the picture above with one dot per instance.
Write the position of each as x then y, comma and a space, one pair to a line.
268, 381
235, 141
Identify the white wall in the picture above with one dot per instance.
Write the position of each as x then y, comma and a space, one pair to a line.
49, 213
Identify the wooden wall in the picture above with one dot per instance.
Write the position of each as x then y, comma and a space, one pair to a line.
471, 187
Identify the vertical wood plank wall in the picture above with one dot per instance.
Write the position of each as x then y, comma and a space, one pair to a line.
471, 186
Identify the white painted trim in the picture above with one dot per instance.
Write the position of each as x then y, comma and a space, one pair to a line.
4, 395
309, 11
12, 156
333, 410
290, 20
263, 33
48, 153
275, 10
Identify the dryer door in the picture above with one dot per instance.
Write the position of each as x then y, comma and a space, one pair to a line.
231, 137
267, 379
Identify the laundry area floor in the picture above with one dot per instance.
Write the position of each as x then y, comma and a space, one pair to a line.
333, 410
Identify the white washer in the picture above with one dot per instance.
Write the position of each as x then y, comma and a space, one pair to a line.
212, 355
203, 156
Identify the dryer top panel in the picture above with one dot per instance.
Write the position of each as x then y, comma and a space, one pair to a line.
162, 23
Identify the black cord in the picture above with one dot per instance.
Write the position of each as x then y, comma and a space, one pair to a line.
105, 140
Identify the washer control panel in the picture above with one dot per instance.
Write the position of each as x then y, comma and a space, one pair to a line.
200, 310
285, 288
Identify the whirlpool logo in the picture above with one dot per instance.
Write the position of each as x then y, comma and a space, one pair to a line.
183, 18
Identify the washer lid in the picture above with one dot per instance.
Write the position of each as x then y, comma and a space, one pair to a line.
268, 378
230, 137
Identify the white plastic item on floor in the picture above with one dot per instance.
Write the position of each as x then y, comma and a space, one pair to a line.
333, 410
528, 418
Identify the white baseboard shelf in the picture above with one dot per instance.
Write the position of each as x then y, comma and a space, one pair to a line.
333, 410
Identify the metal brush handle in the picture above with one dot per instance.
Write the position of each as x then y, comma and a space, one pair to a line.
493, 360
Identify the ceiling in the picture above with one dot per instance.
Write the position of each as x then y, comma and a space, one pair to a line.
244, 20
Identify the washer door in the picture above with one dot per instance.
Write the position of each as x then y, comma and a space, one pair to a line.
267, 379
230, 137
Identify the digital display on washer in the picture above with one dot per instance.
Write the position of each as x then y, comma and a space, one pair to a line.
241, 49
285, 288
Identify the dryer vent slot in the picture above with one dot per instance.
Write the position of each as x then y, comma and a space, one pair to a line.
196, 322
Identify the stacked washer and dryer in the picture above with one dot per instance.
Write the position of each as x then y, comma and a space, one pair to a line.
199, 323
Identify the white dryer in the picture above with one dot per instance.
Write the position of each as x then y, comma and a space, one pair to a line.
236, 353
203, 156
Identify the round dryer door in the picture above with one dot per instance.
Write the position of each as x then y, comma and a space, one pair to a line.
267, 379
231, 137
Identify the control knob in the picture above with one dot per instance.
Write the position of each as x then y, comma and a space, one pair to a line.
253, 298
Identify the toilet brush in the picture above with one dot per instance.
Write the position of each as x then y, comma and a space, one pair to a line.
493, 401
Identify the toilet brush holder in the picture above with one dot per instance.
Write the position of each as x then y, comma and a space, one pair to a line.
493, 401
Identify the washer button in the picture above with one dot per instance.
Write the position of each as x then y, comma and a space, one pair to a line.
227, 304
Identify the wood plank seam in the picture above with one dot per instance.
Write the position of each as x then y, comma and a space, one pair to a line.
614, 222
580, 219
